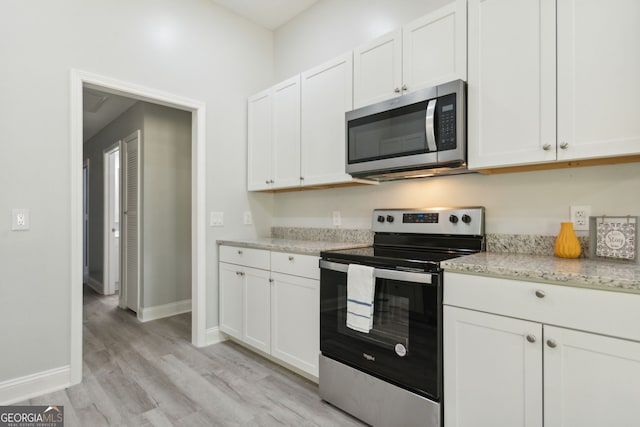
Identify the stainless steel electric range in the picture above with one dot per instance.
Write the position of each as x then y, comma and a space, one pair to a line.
391, 375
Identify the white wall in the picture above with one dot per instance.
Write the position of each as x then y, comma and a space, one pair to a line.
190, 48
528, 203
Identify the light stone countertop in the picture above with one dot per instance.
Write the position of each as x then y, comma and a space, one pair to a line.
304, 247
581, 272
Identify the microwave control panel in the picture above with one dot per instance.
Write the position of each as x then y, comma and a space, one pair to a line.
446, 122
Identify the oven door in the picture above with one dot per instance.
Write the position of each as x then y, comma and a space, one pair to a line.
403, 347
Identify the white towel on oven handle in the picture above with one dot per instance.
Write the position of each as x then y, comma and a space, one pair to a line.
361, 289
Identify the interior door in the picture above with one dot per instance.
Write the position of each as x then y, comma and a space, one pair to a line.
112, 219
129, 298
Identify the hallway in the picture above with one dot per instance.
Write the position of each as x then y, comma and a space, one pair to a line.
149, 374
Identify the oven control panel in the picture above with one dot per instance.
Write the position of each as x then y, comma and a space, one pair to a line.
462, 221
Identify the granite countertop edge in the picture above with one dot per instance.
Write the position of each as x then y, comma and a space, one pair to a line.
302, 247
596, 274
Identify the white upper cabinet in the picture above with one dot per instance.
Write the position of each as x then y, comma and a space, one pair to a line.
326, 97
511, 85
598, 78
377, 70
434, 47
259, 141
526, 108
286, 133
424, 53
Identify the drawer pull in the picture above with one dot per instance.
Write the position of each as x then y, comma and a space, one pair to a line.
531, 338
290, 257
552, 343
239, 252
540, 293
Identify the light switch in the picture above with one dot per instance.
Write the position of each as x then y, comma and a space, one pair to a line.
19, 219
216, 219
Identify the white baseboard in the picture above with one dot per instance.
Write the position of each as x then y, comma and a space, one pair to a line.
96, 285
30, 386
214, 336
166, 310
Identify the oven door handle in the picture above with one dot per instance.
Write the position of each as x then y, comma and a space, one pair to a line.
380, 273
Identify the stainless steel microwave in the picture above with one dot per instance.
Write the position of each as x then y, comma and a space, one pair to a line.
419, 134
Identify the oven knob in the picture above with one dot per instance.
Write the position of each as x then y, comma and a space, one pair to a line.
466, 219
380, 218
389, 218
453, 219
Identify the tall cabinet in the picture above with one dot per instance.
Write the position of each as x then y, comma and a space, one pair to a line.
527, 107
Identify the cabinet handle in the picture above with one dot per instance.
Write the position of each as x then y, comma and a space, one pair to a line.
552, 343
270, 280
397, 90
546, 147
302, 178
237, 273
540, 293
405, 88
239, 252
241, 273
290, 257
564, 145
271, 181
531, 338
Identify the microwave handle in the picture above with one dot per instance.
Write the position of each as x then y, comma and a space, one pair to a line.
429, 128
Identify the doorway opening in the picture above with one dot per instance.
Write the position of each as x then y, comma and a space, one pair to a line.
79, 81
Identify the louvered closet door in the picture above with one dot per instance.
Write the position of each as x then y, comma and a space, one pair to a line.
131, 222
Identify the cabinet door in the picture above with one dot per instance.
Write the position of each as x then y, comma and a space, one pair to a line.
231, 296
377, 70
511, 86
598, 84
435, 47
257, 308
259, 141
492, 372
286, 134
590, 380
295, 321
326, 96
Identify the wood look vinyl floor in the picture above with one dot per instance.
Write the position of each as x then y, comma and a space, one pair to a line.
149, 374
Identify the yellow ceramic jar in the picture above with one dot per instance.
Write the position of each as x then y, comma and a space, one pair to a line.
567, 243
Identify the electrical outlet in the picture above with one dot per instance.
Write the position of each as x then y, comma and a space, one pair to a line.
248, 219
337, 220
580, 217
19, 219
216, 219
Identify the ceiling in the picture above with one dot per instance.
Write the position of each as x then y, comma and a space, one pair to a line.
270, 14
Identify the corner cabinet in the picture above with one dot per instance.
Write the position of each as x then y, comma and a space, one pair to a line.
527, 107
296, 130
273, 135
428, 51
529, 354
270, 301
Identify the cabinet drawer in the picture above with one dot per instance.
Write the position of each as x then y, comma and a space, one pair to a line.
255, 258
295, 264
605, 312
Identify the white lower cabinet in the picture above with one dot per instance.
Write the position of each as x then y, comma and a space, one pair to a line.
257, 310
492, 374
295, 321
505, 371
274, 308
